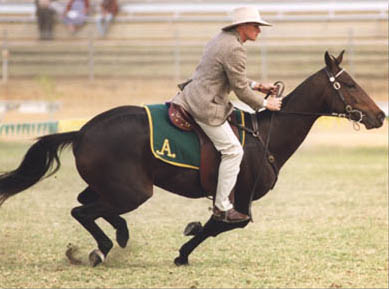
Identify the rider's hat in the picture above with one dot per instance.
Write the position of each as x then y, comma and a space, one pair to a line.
246, 14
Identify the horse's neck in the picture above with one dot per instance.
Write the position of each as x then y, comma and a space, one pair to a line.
289, 130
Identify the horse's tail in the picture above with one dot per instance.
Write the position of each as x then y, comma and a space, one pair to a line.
37, 162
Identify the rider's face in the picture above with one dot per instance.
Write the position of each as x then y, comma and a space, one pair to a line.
252, 30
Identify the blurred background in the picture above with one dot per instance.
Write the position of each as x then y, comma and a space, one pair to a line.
56, 80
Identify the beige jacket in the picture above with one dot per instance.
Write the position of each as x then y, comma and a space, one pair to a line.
221, 69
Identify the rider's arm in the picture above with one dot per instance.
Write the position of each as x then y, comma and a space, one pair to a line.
263, 87
234, 63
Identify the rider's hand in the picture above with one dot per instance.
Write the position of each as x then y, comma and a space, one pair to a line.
273, 103
267, 88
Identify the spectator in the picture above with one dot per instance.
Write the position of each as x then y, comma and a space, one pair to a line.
76, 13
46, 18
108, 11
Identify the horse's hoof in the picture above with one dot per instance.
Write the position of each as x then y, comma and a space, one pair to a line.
96, 257
193, 228
122, 237
179, 261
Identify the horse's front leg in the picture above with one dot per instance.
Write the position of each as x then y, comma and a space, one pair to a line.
211, 229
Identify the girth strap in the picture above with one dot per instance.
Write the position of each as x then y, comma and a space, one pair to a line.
255, 133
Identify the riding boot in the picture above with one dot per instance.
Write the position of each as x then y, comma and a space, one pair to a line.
229, 216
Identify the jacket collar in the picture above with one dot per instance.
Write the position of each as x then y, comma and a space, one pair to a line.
236, 34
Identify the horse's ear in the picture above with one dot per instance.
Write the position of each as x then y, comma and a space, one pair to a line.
330, 60
327, 59
340, 57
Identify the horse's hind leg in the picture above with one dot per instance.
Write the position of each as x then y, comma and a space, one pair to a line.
86, 215
88, 196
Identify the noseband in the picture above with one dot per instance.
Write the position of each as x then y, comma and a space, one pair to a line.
349, 111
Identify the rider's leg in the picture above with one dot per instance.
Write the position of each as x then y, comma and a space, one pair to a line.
231, 151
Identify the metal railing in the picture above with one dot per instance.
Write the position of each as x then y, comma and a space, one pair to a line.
139, 47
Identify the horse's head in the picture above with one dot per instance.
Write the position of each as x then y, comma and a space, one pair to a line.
345, 96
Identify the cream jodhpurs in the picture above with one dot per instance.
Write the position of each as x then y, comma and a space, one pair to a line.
231, 151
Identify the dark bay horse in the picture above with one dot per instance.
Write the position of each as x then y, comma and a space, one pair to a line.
113, 156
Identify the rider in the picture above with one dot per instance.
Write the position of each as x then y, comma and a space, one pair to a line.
205, 96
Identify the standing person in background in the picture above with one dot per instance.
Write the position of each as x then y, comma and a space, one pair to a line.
223, 68
108, 11
46, 18
75, 15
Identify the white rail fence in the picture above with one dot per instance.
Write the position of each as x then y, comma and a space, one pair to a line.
171, 48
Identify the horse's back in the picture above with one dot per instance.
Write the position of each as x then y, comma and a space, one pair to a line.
116, 114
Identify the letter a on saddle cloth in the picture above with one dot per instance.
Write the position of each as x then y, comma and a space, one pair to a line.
176, 139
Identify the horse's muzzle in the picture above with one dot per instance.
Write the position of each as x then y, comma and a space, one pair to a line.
374, 121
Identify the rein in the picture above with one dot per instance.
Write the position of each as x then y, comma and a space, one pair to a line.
255, 132
349, 110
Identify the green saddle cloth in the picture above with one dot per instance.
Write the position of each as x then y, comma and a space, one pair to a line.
175, 146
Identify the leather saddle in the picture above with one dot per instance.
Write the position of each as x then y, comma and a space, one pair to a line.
210, 157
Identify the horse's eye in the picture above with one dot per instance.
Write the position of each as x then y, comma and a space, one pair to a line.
349, 85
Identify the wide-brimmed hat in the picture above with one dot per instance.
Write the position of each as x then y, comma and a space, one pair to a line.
246, 14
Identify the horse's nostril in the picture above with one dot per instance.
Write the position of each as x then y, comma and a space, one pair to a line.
381, 116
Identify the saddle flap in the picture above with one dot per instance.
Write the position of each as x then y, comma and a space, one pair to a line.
180, 118
209, 157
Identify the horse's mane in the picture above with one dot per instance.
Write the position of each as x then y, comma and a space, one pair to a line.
294, 94
291, 97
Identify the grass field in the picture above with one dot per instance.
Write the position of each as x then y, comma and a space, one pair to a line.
325, 225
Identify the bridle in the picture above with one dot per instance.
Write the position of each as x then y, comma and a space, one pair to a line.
349, 110
347, 107
348, 114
